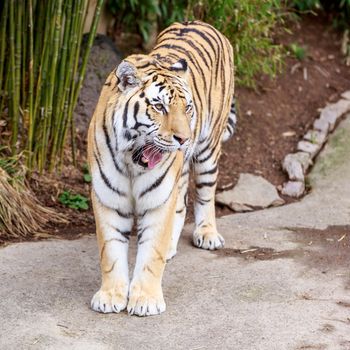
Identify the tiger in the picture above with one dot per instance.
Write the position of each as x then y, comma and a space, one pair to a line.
159, 117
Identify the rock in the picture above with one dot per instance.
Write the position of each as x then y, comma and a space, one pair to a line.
322, 125
296, 165
293, 188
308, 147
293, 169
251, 192
316, 136
334, 111
346, 95
104, 57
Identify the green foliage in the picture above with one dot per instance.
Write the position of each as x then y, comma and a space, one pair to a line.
306, 5
298, 51
40, 75
339, 9
135, 15
249, 24
86, 174
73, 201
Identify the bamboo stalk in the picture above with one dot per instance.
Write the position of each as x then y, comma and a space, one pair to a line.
64, 78
40, 52
13, 107
81, 75
30, 85
18, 54
6, 87
42, 94
77, 28
70, 107
39, 19
23, 72
3, 26
51, 81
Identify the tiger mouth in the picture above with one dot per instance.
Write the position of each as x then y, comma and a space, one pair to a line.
147, 156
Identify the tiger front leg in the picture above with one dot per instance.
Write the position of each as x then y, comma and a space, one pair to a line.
154, 238
180, 213
206, 235
113, 231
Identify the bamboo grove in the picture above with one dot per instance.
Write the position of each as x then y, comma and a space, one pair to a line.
42, 68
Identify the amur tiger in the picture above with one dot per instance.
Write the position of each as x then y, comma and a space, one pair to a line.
157, 115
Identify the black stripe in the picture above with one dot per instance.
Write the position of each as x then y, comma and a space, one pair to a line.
188, 55
125, 113
108, 142
158, 181
141, 232
203, 150
136, 110
125, 234
194, 46
123, 215
146, 65
207, 157
95, 139
205, 184
145, 240
231, 122
106, 180
112, 267
211, 171
182, 31
202, 201
180, 210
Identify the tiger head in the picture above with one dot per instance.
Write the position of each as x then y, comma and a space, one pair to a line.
156, 108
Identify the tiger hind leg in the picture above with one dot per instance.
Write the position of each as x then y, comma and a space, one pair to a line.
231, 122
206, 235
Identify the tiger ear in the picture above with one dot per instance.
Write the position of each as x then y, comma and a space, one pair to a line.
127, 76
180, 67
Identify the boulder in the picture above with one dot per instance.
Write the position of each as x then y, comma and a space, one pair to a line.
251, 192
104, 57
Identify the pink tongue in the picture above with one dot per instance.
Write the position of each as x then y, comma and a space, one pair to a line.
153, 156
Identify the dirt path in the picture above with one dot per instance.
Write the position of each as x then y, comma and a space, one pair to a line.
293, 296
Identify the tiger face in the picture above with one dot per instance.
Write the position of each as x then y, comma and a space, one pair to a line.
158, 111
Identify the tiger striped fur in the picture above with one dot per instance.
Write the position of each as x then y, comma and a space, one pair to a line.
157, 115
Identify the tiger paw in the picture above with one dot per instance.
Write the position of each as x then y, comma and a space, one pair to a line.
142, 303
109, 301
208, 239
171, 254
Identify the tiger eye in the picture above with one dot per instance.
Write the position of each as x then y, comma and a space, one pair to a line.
159, 107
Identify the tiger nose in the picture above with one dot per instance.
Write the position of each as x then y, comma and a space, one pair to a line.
180, 139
